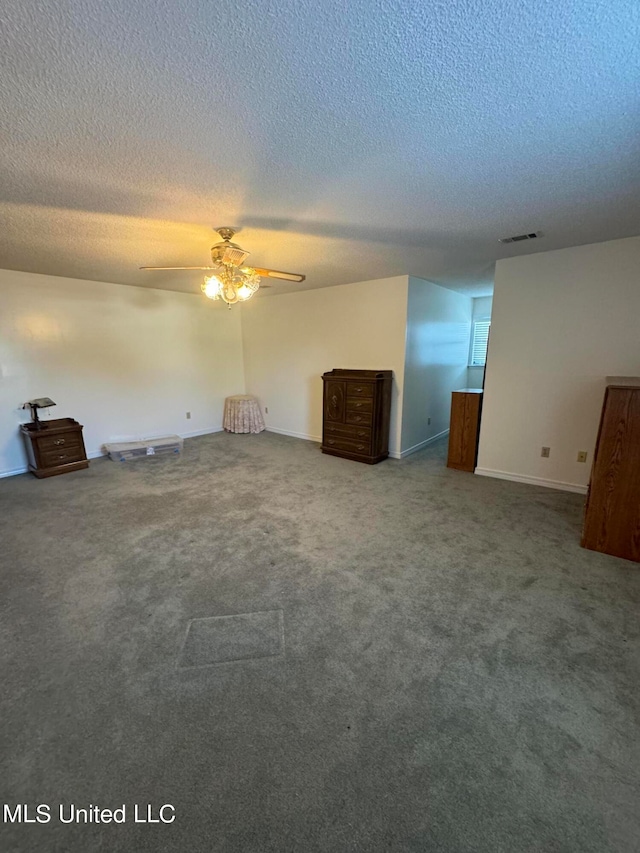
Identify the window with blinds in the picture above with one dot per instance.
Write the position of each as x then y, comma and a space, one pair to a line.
479, 341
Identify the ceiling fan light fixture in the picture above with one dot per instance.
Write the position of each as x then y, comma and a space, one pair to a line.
211, 286
231, 284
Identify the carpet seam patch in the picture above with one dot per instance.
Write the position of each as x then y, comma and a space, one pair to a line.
280, 653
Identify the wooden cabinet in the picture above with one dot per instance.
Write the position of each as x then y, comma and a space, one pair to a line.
612, 511
464, 429
356, 414
56, 448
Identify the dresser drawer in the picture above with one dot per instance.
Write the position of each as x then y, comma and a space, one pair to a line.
357, 389
357, 404
362, 418
61, 456
351, 445
360, 433
58, 442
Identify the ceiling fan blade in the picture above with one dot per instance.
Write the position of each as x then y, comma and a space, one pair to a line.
285, 276
177, 268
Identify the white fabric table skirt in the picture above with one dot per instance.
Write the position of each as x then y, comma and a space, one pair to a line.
242, 414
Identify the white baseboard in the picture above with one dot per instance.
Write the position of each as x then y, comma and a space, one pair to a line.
303, 435
197, 432
393, 454
532, 481
420, 445
14, 472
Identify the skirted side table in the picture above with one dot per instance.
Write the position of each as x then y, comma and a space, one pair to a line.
242, 414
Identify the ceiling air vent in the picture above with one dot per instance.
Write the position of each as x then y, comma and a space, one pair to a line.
532, 236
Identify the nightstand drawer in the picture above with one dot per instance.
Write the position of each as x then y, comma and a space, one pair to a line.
62, 456
58, 442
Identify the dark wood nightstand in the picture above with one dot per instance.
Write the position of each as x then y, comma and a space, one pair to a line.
56, 448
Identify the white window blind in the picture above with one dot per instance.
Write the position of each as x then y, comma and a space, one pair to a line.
479, 341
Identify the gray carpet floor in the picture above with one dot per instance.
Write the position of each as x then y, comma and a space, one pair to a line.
436, 665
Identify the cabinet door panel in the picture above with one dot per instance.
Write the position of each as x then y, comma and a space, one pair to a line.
334, 401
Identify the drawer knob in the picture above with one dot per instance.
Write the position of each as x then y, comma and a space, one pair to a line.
357, 418
59, 441
361, 447
362, 434
358, 390
358, 405
330, 442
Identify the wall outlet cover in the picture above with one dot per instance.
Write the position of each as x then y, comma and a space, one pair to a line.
546, 451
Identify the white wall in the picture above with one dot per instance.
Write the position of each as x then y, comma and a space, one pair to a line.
124, 361
292, 339
482, 306
562, 321
437, 351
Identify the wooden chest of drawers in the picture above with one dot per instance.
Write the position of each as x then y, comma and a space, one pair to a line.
356, 414
56, 448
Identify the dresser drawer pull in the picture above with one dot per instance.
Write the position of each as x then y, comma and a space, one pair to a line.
358, 405
358, 390
362, 433
59, 441
357, 418
330, 442
361, 447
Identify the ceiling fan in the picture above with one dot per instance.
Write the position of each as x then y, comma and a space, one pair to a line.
230, 281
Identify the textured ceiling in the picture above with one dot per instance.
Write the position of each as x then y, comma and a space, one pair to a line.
348, 140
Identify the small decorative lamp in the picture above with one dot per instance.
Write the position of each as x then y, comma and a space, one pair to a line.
34, 405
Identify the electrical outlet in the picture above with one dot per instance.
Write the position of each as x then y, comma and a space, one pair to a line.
582, 456
428, 421
266, 410
545, 452
188, 416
